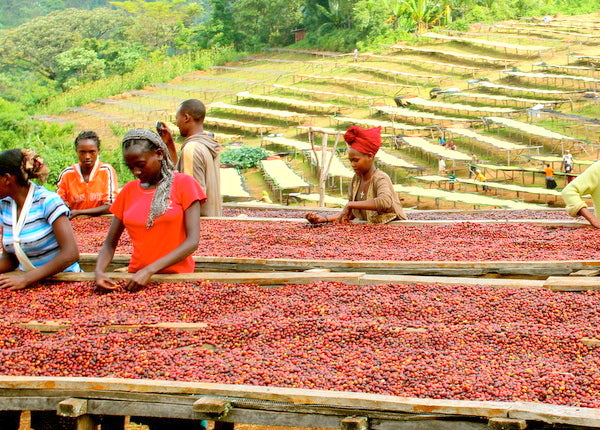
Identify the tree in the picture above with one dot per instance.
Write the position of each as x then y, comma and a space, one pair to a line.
79, 65
369, 17
421, 12
35, 45
334, 14
220, 30
157, 23
266, 22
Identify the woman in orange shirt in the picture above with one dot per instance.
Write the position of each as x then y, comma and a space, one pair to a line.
90, 186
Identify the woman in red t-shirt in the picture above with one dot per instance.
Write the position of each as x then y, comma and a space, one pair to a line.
160, 210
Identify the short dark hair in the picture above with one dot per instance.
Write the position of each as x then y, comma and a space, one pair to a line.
87, 135
194, 108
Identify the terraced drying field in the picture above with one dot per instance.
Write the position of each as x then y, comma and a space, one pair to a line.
487, 80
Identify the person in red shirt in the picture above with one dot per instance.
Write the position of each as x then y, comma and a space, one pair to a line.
90, 186
160, 210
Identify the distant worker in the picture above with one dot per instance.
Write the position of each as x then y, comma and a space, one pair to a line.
441, 166
586, 183
550, 182
451, 180
371, 196
265, 197
90, 186
473, 165
568, 161
199, 156
481, 178
355, 52
450, 144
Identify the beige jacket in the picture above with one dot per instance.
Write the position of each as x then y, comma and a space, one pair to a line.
586, 183
200, 158
386, 199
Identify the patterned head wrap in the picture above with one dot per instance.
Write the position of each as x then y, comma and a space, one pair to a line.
160, 201
33, 166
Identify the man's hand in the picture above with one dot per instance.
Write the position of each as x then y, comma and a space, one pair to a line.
164, 132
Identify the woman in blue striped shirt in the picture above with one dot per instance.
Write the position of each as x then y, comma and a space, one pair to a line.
37, 236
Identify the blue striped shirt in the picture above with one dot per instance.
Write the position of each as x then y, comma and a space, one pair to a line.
37, 237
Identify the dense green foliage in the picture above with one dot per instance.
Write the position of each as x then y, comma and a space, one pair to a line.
243, 157
63, 45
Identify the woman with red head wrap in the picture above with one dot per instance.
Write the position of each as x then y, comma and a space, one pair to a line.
371, 196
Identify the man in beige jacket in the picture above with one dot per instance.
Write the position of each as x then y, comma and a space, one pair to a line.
199, 155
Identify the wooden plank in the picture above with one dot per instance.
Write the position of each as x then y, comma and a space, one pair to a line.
555, 414
488, 282
284, 419
44, 326
269, 278
456, 268
590, 341
572, 283
188, 400
586, 272
369, 402
177, 325
428, 425
141, 409
54, 326
290, 395
30, 403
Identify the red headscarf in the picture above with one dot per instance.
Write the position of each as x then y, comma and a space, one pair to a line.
365, 141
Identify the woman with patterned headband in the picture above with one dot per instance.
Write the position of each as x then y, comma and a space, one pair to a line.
160, 210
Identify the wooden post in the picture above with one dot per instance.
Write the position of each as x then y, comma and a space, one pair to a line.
355, 423
77, 408
507, 424
72, 408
